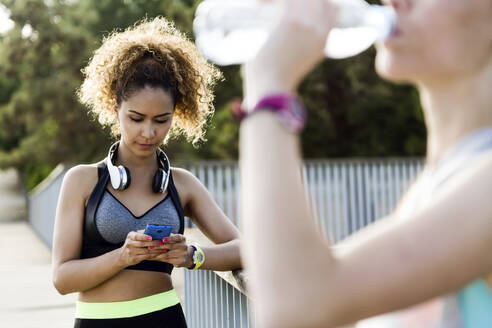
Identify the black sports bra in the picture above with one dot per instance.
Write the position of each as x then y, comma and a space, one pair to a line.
93, 242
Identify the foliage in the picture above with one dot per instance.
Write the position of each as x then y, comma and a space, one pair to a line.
352, 111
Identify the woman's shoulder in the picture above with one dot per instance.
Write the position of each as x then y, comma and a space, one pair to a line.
182, 177
180, 173
81, 179
185, 182
82, 172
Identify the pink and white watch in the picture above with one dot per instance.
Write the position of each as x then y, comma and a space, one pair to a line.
289, 108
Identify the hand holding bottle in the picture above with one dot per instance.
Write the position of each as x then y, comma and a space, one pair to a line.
293, 48
232, 32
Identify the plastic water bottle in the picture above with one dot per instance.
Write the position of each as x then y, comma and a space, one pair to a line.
232, 31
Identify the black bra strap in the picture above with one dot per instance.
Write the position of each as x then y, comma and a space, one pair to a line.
90, 231
177, 203
91, 234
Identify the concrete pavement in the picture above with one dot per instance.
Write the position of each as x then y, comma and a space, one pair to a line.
28, 298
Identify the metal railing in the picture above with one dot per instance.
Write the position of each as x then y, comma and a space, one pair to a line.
213, 302
42, 202
348, 195
345, 196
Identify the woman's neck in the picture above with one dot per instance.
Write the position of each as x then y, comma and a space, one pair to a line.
135, 163
454, 109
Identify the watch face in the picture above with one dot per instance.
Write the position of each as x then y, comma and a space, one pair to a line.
199, 257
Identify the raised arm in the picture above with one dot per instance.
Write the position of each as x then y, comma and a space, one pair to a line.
399, 261
296, 280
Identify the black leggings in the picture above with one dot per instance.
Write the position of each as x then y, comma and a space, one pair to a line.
171, 317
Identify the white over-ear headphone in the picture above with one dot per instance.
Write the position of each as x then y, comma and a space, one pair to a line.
121, 178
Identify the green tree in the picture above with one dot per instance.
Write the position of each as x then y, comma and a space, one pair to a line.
40, 115
41, 121
352, 111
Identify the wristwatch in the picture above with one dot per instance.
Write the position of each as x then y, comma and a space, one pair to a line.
198, 258
289, 109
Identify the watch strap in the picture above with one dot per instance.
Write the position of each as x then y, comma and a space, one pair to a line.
198, 258
288, 107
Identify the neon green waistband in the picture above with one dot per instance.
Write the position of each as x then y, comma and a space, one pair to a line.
126, 309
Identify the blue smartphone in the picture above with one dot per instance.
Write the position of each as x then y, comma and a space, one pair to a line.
158, 231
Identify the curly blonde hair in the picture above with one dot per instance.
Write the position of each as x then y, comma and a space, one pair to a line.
152, 52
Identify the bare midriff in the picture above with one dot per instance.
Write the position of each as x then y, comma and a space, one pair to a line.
128, 285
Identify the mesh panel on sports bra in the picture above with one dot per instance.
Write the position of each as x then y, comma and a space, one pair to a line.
114, 220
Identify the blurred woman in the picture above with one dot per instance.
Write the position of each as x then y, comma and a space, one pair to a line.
436, 245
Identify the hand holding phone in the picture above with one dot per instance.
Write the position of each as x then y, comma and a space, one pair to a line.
158, 231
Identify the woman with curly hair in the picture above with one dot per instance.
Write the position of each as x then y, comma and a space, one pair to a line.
147, 83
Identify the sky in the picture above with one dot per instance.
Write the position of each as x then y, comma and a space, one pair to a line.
5, 22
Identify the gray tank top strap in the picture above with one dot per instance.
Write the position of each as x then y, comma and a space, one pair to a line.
433, 178
467, 149
472, 145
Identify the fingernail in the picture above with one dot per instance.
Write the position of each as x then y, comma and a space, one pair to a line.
165, 240
151, 247
149, 238
160, 242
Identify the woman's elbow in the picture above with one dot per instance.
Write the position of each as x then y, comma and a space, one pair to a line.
59, 287
59, 284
